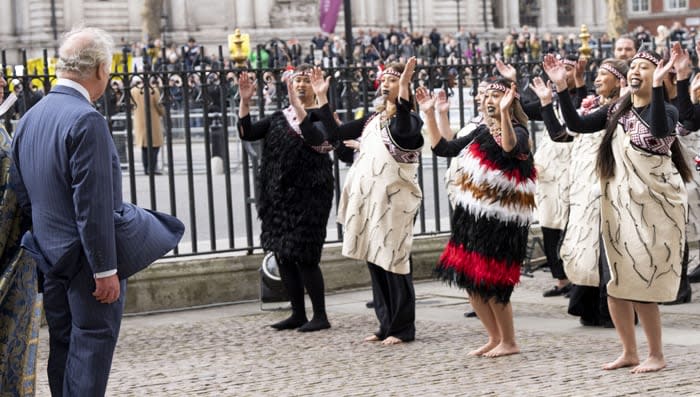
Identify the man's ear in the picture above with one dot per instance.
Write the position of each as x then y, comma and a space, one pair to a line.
102, 72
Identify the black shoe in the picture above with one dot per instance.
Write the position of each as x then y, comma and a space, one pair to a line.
369, 304
684, 296
694, 275
588, 323
556, 291
315, 325
290, 323
470, 314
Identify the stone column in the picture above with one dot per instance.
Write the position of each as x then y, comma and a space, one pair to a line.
72, 13
245, 14
7, 22
511, 14
177, 13
548, 9
583, 13
262, 13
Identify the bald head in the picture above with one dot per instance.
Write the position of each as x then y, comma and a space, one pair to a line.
83, 49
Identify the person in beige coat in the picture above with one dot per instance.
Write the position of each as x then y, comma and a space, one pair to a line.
141, 128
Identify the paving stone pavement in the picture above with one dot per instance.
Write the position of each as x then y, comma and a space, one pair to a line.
230, 351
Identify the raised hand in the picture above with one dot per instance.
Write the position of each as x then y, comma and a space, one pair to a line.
682, 64
542, 90
695, 84
246, 87
407, 74
507, 71
555, 70
579, 72
441, 103
318, 83
662, 69
507, 99
425, 100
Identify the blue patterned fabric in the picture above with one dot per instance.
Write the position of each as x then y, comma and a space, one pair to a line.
20, 308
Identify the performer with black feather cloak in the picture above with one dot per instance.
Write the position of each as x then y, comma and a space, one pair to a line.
295, 188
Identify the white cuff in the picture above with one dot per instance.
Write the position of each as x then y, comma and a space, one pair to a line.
106, 274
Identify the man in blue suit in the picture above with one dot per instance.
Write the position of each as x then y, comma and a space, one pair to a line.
86, 241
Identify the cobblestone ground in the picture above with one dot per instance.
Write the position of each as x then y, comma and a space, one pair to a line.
231, 351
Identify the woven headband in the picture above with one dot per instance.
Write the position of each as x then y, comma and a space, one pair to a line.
647, 57
390, 72
612, 70
569, 62
502, 88
304, 73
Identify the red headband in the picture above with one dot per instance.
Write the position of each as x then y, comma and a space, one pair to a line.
502, 88
612, 70
647, 57
569, 62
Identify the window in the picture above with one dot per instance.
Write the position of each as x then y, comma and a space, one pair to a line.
639, 5
676, 5
565, 13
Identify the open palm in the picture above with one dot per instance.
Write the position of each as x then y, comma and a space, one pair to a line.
246, 87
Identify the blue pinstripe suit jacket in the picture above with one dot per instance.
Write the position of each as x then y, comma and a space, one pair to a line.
68, 177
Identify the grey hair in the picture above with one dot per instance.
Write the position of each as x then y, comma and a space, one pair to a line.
83, 49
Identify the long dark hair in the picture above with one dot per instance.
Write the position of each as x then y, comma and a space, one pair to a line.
605, 163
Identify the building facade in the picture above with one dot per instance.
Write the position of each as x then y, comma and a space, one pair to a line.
32, 24
653, 13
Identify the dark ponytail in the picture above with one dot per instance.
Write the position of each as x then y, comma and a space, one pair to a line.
605, 163
679, 161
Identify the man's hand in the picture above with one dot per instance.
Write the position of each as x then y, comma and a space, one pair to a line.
107, 289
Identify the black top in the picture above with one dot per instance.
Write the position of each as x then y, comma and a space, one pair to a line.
534, 109
688, 113
557, 131
405, 128
311, 132
659, 115
452, 148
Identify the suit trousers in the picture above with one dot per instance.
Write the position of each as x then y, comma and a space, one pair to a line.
82, 333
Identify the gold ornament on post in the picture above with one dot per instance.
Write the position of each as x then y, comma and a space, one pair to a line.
239, 47
585, 50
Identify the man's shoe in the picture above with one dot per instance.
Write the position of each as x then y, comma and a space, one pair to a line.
556, 291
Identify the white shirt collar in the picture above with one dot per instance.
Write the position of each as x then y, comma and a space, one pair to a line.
76, 86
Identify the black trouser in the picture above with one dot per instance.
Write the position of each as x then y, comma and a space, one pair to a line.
149, 165
295, 276
394, 303
591, 303
552, 242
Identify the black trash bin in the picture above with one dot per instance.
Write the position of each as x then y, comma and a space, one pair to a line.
271, 287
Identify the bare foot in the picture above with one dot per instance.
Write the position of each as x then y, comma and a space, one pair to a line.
651, 364
372, 338
483, 349
625, 360
503, 349
392, 340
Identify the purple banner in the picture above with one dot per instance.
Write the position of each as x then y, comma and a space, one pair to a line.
328, 11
